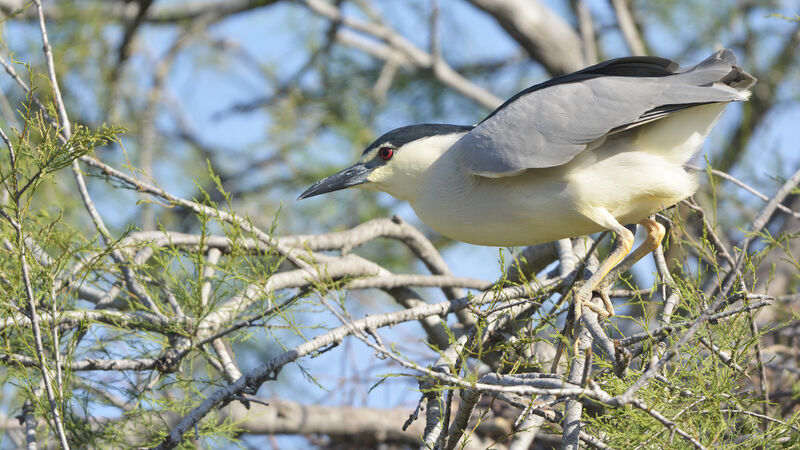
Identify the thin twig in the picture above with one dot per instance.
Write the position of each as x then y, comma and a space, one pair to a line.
583, 340
628, 27
225, 353
723, 356
666, 422
666, 329
31, 297
744, 186
586, 28
66, 131
37, 336
406, 50
30, 424
756, 226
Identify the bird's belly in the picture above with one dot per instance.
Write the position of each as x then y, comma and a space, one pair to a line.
542, 205
515, 233
499, 212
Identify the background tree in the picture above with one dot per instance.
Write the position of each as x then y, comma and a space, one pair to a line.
162, 287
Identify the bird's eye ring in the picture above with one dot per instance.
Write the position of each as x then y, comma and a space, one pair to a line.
386, 153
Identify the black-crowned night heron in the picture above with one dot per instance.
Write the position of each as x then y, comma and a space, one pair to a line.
578, 154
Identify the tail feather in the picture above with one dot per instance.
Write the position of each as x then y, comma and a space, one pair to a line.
720, 67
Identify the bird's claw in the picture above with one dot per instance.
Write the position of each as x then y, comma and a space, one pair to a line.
608, 309
582, 295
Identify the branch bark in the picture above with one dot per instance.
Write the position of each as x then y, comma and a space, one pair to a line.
546, 37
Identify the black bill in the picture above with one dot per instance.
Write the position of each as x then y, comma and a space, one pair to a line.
352, 176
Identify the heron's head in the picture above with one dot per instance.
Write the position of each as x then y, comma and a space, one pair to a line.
397, 162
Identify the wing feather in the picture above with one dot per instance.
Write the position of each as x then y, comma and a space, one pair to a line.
548, 124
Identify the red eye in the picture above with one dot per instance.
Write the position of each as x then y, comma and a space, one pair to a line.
386, 153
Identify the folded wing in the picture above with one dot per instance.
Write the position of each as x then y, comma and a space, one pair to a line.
548, 124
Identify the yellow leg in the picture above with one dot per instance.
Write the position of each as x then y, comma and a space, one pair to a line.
583, 296
655, 234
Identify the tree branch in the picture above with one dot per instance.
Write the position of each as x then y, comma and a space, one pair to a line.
542, 33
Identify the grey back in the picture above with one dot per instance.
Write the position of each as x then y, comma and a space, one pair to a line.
548, 124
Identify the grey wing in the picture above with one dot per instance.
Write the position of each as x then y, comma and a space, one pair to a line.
547, 127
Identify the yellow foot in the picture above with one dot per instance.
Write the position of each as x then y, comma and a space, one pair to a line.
582, 296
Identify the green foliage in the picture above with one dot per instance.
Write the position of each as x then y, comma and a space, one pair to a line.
178, 276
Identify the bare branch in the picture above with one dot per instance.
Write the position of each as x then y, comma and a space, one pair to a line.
269, 369
744, 186
397, 47
758, 223
542, 33
628, 27
666, 422
40, 352
87, 363
165, 14
586, 27
283, 416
